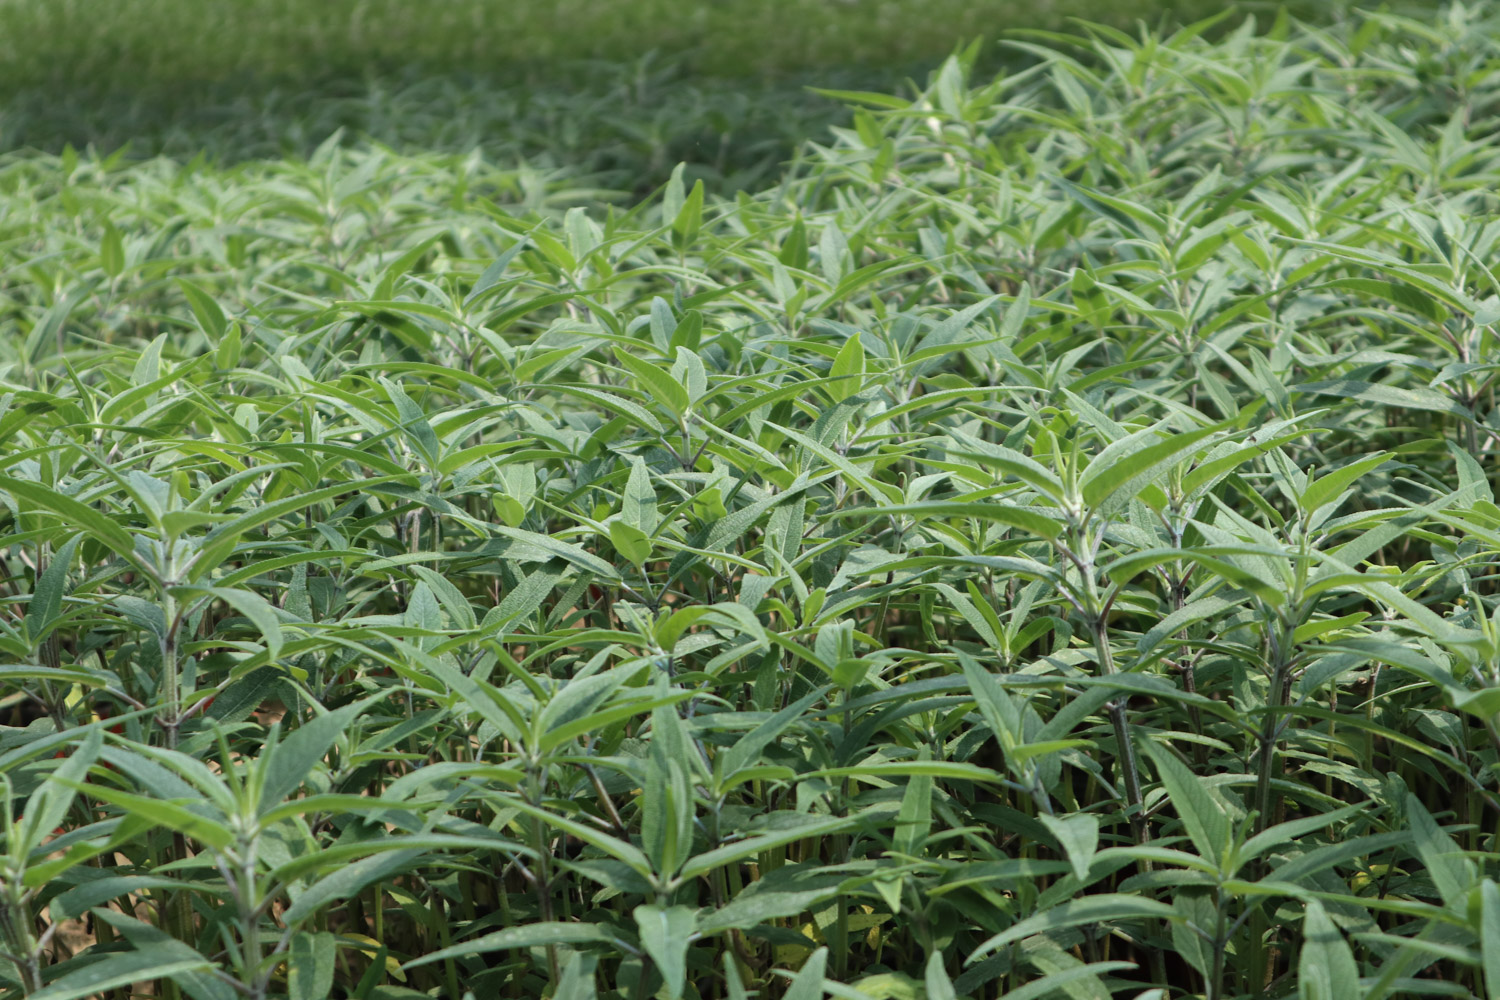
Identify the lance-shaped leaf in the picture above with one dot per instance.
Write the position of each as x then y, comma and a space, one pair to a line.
114, 971
49, 804
1101, 908
1078, 835
1025, 518
666, 933
287, 763
1119, 474
1450, 870
1489, 937
1207, 822
1326, 970
80, 515
45, 609
534, 935
310, 966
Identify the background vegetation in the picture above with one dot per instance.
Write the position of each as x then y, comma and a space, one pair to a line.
619, 91
1041, 542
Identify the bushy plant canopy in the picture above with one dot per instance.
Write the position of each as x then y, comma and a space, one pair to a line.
1042, 545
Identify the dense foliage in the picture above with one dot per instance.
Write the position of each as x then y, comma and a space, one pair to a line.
1044, 545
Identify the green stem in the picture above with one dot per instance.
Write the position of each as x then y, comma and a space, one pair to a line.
544, 886
15, 930
450, 968
250, 926
1270, 731
171, 694
1120, 722
1215, 985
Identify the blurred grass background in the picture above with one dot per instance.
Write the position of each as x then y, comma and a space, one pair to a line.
618, 90
176, 43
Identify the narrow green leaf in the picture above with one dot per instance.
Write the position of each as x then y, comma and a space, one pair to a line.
1111, 481
666, 933
847, 369
1326, 970
47, 598
533, 935
807, 984
562, 550
1326, 488
1386, 395
631, 542
289, 762
914, 821
48, 806
114, 971
1489, 937
1079, 836
75, 514
939, 986
310, 966
1025, 518
1067, 981
1103, 907
1205, 818
1450, 870
206, 310
658, 384
174, 815
732, 852
348, 880
145, 939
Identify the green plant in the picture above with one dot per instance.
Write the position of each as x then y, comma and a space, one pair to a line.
1044, 545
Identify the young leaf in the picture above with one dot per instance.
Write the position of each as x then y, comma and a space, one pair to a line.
1116, 478
848, 366
47, 598
939, 986
1326, 488
914, 821
807, 984
631, 542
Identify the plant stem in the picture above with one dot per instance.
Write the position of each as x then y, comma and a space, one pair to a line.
1120, 722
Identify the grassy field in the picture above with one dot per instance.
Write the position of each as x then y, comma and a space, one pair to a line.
618, 91
171, 43
1039, 541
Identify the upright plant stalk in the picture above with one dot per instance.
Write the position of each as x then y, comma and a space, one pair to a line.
1270, 731
179, 916
543, 875
1280, 643
248, 898
1177, 597
15, 930
170, 718
1095, 609
1218, 966
1120, 723
1261, 959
